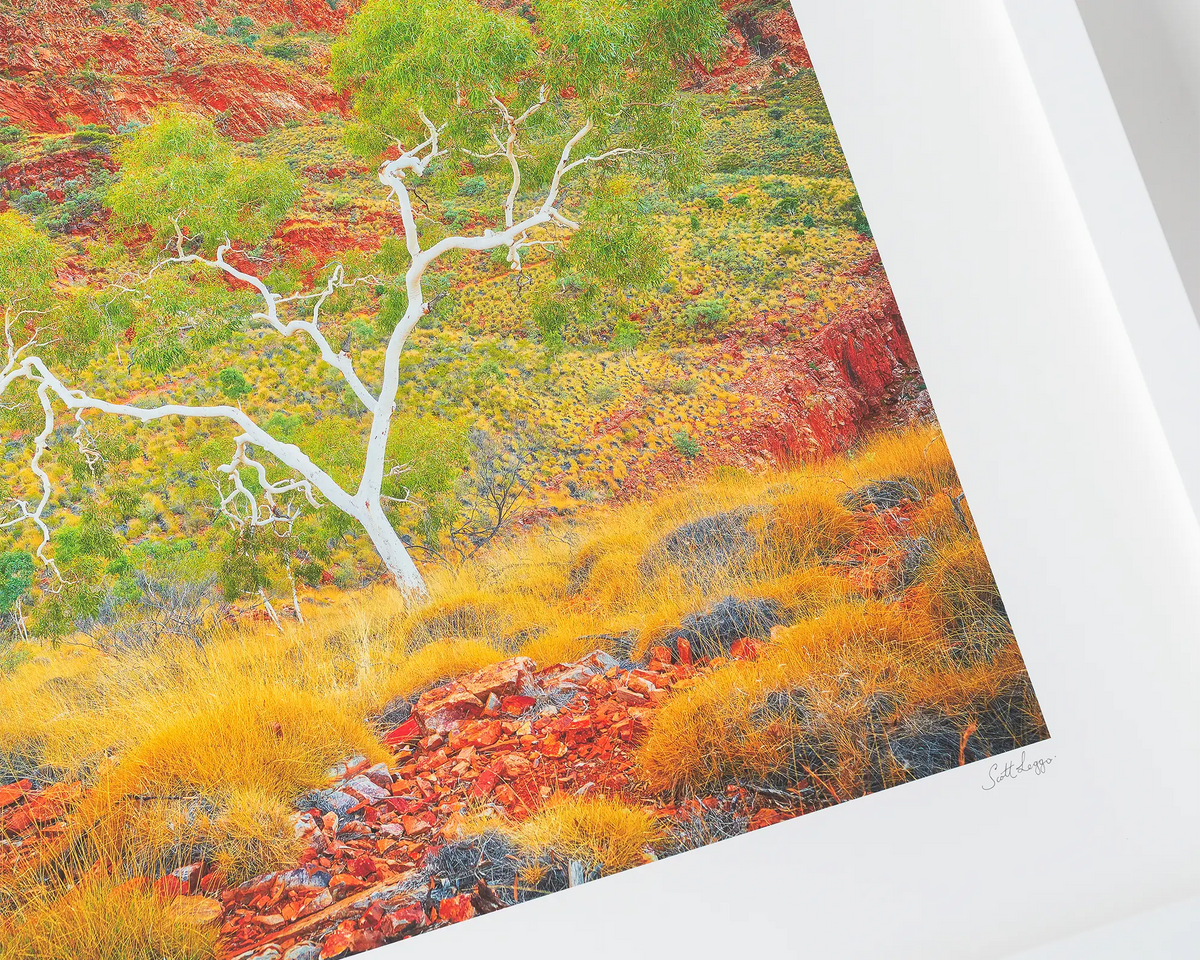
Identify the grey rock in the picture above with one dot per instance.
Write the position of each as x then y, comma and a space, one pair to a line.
367, 787
711, 633
328, 801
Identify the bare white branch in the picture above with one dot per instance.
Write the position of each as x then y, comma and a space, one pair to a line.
336, 359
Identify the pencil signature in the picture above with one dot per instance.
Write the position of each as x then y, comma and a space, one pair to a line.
1011, 769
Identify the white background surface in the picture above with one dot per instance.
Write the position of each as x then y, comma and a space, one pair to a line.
1115, 167
1086, 522
1149, 51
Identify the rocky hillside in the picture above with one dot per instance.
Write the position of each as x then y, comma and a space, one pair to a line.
668, 675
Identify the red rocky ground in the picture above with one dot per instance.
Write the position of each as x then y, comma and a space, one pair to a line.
496, 739
105, 65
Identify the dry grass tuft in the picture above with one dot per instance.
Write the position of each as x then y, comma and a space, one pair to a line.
811, 524
599, 831
964, 599
918, 456
218, 782
433, 663
99, 920
821, 702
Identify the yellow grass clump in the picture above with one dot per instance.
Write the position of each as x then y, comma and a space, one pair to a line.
724, 727
218, 782
599, 831
919, 456
820, 701
803, 526
100, 920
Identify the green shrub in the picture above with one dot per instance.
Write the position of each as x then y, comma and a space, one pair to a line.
233, 383
787, 207
685, 445
705, 313
283, 50
626, 335
471, 186
730, 162
30, 204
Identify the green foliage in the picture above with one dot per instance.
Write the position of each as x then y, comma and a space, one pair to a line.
730, 162
472, 186
450, 57
243, 569
33, 203
434, 454
685, 445
705, 313
858, 219
398, 55
182, 313
714, 203
27, 262
551, 315
283, 50
180, 167
785, 208
392, 257
626, 335
233, 383
616, 246
16, 577
283, 426
741, 201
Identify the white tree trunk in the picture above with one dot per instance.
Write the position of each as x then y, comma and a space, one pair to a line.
394, 555
366, 503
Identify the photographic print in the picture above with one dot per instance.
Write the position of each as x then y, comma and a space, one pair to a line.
452, 452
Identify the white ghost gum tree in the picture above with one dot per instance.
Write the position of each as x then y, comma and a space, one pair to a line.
553, 104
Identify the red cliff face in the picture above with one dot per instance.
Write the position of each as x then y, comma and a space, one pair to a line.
839, 384
63, 58
761, 42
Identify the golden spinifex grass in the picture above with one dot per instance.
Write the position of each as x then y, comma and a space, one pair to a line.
102, 920
600, 832
200, 751
821, 702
